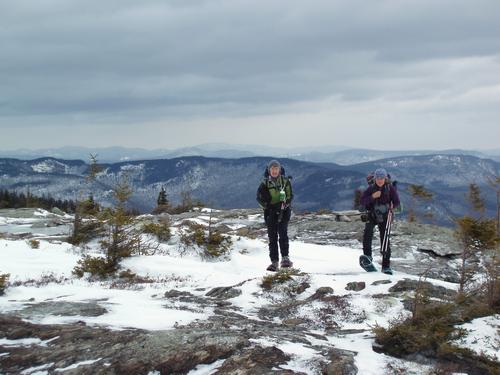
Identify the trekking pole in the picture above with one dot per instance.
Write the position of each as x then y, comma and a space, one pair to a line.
387, 233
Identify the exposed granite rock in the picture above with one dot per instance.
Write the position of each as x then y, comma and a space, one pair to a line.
341, 362
224, 292
257, 361
356, 286
431, 290
63, 308
115, 352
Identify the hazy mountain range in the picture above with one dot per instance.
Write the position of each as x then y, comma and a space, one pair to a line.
326, 154
232, 183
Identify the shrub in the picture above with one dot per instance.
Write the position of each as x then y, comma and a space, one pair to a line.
425, 335
282, 276
213, 242
96, 266
127, 274
34, 244
86, 231
160, 230
217, 244
4, 279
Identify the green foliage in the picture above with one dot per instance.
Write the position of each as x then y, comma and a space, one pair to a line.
476, 201
431, 335
161, 230
85, 231
477, 233
162, 198
34, 244
494, 182
418, 193
121, 240
213, 242
12, 199
127, 274
424, 335
96, 266
474, 235
4, 279
217, 244
94, 168
88, 207
282, 276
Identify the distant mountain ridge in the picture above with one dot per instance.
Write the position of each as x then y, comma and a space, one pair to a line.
232, 183
326, 154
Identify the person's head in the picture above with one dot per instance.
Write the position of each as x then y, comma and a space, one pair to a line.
274, 168
380, 175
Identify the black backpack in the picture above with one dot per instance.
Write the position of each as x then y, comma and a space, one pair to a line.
370, 179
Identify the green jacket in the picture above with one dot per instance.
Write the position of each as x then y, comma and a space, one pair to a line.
268, 193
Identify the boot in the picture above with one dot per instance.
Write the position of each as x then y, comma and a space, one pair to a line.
286, 262
387, 270
273, 267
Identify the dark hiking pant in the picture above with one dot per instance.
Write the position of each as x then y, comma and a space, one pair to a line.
368, 238
277, 232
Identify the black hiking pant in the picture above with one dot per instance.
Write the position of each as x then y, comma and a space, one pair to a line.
368, 238
277, 232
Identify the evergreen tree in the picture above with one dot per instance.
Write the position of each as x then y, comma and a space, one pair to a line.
476, 234
121, 240
495, 184
476, 201
162, 198
417, 193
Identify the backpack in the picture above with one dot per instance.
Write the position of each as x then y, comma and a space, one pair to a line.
370, 179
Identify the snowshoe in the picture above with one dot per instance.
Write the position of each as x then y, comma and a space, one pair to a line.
387, 270
273, 267
286, 262
366, 263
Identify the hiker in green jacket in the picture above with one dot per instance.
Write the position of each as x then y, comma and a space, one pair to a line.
275, 196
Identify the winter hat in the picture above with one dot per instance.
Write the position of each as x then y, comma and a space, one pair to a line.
273, 163
380, 173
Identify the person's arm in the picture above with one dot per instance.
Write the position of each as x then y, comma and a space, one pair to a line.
366, 198
263, 196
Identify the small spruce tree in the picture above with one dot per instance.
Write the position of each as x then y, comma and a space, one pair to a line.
475, 234
417, 193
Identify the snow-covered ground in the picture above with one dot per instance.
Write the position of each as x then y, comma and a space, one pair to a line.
144, 308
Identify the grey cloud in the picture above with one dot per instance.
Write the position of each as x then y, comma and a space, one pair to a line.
129, 59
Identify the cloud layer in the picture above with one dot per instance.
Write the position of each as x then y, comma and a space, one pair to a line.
331, 68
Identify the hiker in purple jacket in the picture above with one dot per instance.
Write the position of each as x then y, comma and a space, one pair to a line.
378, 199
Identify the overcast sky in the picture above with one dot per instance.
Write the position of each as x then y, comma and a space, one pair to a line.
381, 74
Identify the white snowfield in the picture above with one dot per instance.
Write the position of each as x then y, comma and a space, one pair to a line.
146, 308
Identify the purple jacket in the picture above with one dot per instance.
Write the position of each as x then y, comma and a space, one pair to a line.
389, 194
